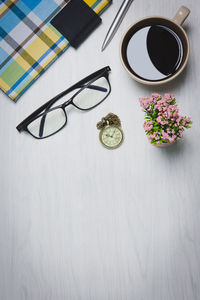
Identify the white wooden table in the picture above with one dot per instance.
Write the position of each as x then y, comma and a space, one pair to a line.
78, 221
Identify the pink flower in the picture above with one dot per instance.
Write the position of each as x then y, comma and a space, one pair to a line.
148, 125
169, 97
188, 120
155, 95
159, 119
164, 121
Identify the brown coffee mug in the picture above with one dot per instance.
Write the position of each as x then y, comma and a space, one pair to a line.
173, 25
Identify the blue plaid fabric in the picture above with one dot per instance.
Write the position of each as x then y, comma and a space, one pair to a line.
28, 42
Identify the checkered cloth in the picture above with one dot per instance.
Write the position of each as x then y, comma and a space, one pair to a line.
28, 42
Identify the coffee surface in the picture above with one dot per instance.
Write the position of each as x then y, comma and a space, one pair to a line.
154, 52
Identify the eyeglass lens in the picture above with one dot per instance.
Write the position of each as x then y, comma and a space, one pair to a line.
93, 94
54, 121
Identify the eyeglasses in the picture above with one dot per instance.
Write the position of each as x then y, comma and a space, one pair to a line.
49, 119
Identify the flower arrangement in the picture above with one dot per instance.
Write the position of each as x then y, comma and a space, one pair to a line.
163, 124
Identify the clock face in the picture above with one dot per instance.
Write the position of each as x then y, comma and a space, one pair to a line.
111, 136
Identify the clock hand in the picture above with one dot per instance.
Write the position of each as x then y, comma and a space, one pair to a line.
113, 133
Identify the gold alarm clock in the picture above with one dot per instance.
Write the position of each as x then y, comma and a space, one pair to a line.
111, 134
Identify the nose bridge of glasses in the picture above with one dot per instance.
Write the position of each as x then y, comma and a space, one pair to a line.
66, 103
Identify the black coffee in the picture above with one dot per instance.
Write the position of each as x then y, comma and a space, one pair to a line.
154, 52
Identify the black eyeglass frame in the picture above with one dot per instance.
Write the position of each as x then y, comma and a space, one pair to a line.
46, 108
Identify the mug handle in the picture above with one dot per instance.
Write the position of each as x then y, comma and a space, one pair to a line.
181, 15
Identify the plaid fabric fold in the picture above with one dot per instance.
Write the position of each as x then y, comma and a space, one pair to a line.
29, 44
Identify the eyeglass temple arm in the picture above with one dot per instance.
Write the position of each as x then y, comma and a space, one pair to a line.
49, 103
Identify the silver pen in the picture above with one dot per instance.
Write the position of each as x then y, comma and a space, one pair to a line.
116, 22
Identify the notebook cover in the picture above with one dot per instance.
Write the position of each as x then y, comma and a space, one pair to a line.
29, 44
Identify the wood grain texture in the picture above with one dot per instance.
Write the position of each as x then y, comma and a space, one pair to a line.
80, 222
